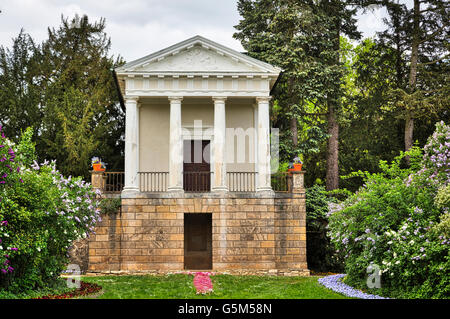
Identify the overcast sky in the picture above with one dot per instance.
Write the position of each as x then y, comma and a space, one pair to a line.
140, 27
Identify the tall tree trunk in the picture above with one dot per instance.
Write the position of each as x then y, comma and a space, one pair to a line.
333, 150
294, 131
409, 129
409, 119
293, 121
332, 177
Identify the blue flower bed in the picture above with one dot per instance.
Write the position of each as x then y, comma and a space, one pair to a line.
334, 283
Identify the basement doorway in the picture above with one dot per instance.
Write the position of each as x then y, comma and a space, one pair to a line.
198, 241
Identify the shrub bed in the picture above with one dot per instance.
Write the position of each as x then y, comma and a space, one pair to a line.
84, 290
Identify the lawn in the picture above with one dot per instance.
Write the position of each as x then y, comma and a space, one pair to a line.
225, 287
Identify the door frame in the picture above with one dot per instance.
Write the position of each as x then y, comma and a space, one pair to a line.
209, 241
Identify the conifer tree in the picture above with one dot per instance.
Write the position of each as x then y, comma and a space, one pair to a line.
303, 38
420, 35
82, 116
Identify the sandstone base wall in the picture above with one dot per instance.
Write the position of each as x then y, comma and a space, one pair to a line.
250, 234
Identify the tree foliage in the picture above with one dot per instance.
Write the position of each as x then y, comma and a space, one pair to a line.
66, 91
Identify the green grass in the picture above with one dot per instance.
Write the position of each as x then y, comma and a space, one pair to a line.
180, 286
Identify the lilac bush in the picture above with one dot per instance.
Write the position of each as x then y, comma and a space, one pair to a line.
41, 213
394, 221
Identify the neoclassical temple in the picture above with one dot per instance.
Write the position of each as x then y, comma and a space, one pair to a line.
200, 189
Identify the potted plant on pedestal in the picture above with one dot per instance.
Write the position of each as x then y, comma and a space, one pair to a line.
98, 165
296, 165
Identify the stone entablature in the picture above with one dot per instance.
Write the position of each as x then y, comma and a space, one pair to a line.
197, 85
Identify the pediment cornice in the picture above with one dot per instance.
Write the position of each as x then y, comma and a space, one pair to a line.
198, 56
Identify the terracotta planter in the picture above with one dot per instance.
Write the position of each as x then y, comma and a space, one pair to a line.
98, 167
298, 167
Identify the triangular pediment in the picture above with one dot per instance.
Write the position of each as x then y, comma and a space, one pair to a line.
198, 55
198, 59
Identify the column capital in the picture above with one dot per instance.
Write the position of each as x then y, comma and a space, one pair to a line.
175, 98
131, 98
260, 99
219, 98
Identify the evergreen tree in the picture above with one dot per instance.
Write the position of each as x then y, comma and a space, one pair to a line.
303, 38
20, 92
420, 36
82, 116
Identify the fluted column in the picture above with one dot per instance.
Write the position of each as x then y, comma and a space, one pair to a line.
220, 171
176, 146
263, 144
131, 145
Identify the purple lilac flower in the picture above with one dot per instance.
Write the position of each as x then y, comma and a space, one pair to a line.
35, 165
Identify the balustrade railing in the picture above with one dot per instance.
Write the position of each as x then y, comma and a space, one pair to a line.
241, 181
113, 182
197, 182
153, 181
281, 182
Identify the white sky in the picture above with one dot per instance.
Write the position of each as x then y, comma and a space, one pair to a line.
140, 27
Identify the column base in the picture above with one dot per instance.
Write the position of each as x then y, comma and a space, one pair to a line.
220, 189
129, 192
265, 191
175, 189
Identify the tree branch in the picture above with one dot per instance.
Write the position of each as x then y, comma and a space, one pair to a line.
432, 35
435, 61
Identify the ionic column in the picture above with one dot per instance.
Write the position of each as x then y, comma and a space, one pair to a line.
220, 171
176, 146
263, 162
131, 145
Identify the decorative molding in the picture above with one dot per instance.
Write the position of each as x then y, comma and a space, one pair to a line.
195, 93
207, 45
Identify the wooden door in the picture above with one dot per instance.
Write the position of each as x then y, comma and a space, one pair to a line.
196, 166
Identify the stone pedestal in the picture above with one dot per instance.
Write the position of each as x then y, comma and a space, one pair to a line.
98, 180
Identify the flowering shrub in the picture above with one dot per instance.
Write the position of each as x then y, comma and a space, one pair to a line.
42, 213
392, 222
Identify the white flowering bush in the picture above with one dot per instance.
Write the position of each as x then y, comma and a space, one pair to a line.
392, 221
41, 214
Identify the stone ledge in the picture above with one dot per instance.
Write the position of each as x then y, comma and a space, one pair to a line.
218, 195
237, 272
